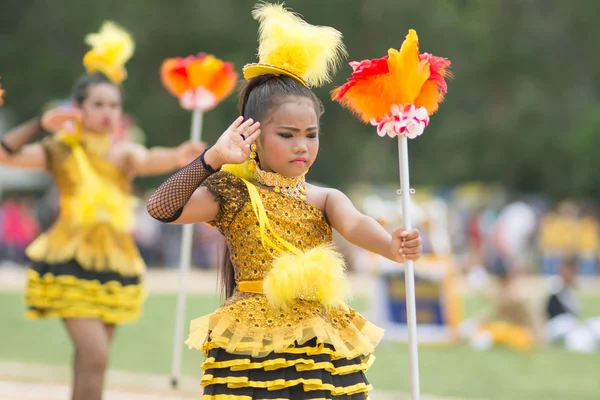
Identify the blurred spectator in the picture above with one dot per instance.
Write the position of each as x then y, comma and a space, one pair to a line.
19, 228
511, 322
563, 311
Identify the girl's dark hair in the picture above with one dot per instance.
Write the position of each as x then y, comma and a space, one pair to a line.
261, 94
80, 89
256, 98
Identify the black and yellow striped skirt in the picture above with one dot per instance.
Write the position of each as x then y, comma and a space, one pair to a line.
67, 290
312, 370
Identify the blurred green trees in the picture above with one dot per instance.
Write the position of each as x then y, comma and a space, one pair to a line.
523, 109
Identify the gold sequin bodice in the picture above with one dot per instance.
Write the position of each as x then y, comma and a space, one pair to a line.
98, 246
247, 323
299, 223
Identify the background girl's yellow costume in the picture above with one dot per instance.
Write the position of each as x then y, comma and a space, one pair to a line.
286, 332
87, 264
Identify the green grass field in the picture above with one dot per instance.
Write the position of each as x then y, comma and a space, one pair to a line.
445, 370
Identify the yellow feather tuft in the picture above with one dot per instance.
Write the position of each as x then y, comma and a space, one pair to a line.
310, 52
111, 48
318, 275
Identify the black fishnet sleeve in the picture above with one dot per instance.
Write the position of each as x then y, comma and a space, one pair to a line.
167, 202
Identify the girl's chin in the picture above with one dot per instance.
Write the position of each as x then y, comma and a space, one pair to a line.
295, 170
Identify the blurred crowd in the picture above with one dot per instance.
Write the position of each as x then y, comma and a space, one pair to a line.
480, 232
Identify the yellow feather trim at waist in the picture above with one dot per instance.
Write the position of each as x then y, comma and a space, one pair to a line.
317, 275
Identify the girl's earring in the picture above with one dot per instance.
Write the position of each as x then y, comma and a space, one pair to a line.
252, 164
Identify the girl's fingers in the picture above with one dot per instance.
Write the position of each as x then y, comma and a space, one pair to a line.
235, 124
244, 127
412, 250
411, 243
253, 136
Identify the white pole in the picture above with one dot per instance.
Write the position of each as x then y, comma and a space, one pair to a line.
411, 309
185, 262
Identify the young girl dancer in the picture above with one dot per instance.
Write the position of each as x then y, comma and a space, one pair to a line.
86, 269
285, 330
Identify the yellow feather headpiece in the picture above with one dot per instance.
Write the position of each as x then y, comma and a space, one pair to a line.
112, 47
290, 46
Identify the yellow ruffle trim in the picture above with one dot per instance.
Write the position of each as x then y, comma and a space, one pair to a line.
236, 338
96, 248
66, 296
279, 384
301, 365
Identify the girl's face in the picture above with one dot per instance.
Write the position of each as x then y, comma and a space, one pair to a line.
289, 139
101, 109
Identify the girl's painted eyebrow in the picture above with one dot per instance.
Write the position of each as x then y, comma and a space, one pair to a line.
293, 128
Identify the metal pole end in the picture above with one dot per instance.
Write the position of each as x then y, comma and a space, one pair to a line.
410, 191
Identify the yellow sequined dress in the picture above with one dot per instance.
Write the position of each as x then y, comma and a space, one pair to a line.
87, 263
255, 351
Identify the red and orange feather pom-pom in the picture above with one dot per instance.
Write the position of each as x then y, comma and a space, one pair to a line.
402, 77
181, 75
